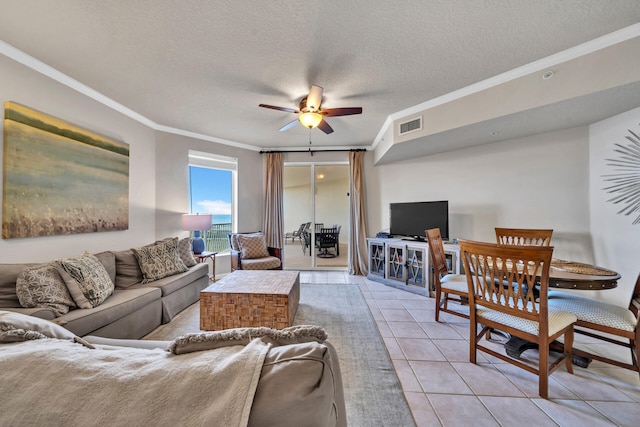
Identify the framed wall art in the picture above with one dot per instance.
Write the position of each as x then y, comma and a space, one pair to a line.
59, 178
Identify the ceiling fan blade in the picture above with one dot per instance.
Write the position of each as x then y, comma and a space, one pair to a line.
288, 125
314, 99
334, 112
324, 127
273, 107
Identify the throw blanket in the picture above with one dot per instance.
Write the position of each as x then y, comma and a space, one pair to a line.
58, 382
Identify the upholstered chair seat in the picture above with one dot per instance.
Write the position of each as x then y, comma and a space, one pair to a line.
594, 311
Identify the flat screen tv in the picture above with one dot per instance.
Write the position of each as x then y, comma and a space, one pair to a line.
412, 219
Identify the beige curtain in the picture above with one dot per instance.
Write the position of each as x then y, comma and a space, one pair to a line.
273, 204
358, 215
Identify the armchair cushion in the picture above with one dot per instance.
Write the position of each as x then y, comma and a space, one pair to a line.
252, 246
266, 263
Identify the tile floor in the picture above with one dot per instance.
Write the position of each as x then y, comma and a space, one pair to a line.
443, 388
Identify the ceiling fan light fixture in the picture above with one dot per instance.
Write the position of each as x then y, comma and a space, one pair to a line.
310, 120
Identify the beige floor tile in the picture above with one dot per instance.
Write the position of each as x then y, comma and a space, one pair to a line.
384, 329
417, 304
393, 314
420, 349
625, 414
406, 376
528, 383
422, 315
457, 350
588, 386
389, 303
455, 411
395, 352
572, 413
514, 411
406, 330
423, 413
486, 380
439, 377
625, 380
437, 330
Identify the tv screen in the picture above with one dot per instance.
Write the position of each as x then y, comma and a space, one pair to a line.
412, 219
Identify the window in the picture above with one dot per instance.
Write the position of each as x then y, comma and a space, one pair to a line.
212, 191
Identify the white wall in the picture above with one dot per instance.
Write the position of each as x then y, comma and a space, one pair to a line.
535, 182
616, 239
32, 89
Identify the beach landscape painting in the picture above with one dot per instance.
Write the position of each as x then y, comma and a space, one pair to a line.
59, 178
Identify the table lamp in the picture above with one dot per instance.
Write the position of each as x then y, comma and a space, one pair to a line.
195, 223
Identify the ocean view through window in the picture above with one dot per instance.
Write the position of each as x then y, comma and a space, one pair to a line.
211, 191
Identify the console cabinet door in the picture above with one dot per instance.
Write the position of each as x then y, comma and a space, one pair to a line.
396, 262
417, 262
376, 258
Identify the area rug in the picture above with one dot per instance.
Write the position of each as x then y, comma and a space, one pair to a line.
372, 391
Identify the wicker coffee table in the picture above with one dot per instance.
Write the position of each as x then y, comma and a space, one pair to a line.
250, 298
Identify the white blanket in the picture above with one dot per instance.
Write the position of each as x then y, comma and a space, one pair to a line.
57, 382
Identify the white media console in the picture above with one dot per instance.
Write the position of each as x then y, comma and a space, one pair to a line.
406, 264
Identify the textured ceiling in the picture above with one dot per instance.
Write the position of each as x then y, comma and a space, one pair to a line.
204, 66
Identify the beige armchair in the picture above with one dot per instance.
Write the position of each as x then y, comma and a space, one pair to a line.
249, 251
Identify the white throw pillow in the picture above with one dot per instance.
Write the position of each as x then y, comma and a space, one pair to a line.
16, 327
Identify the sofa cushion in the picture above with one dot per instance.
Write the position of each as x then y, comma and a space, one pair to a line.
252, 246
159, 260
42, 286
86, 278
8, 276
127, 269
17, 327
108, 261
120, 304
266, 263
170, 284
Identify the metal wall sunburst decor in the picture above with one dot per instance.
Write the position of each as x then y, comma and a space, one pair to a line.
625, 182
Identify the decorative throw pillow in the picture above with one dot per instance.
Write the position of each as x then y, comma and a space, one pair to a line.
20, 327
234, 239
128, 271
252, 246
185, 249
159, 260
87, 279
42, 286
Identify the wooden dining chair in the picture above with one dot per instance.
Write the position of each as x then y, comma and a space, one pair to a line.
596, 318
523, 236
446, 284
514, 309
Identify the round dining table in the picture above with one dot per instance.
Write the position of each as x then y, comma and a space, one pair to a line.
569, 275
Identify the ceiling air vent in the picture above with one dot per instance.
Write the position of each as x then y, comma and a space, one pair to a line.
411, 126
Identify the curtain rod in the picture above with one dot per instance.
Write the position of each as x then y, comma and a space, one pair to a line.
310, 151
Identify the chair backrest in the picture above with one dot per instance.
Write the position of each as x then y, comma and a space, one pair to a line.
634, 304
523, 236
436, 249
503, 278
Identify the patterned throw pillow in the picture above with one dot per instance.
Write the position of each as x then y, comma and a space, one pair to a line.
185, 249
252, 246
42, 286
159, 260
87, 280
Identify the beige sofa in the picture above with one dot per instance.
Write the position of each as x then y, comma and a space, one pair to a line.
246, 376
133, 309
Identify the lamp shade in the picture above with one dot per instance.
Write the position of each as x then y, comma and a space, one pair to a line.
310, 120
191, 222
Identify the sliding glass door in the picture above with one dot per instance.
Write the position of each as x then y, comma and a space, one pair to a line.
316, 215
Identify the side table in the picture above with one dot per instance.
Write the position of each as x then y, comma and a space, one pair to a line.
203, 258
